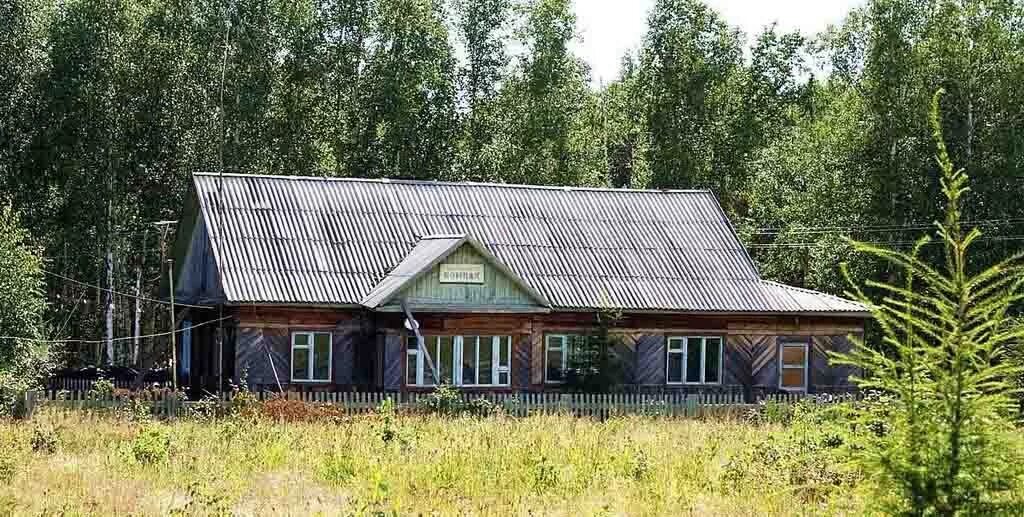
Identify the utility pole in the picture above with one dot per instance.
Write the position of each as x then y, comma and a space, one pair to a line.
174, 327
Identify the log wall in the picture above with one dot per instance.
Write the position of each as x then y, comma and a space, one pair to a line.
371, 346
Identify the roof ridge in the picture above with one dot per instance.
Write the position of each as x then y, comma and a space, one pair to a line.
453, 183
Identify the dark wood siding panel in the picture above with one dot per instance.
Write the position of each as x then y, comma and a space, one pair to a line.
521, 360
738, 367
824, 374
537, 355
253, 361
626, 355
344, 342
650, 359
394, 361
764, 366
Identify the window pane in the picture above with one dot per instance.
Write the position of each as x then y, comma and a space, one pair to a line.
675, 344
793, 355
792, 377
321, 356
429, 352
693, 359
675, 367
553, 358
300, 363
300, 340
468, 360
445, 360
504, 351
712, 359
410, 366
503, 378
486, 361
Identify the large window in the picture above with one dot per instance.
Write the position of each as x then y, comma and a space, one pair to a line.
311, 356
459, 360
694, 360
793, 365
558, 349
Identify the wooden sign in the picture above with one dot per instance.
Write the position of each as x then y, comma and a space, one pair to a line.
462, 274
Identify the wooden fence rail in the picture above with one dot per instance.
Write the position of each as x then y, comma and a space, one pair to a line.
170, 405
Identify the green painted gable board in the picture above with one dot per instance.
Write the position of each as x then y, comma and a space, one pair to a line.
497, 290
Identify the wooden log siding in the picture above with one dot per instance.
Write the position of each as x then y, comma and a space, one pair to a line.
394, 360
254, 343
251, 356
650, 359
522, 358
823, 375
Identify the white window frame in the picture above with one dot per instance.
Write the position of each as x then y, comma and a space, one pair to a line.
684, 351
432, 343
564, 348
311, 367
782, 363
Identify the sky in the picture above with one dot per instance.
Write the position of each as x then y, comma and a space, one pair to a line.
610, 28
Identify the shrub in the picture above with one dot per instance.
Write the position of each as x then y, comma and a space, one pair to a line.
152, 445
338, 467
284, 410
44, 439
444, 400
102, 389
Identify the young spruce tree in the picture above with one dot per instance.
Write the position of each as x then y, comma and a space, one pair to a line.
948, 447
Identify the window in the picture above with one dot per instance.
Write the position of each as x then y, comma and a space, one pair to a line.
311, 356
459, 360
693, 360
558, 349
793, 365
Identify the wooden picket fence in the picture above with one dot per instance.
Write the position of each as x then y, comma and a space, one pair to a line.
601, 406
73, 384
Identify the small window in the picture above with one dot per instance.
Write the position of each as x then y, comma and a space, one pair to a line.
311, 356
556, 356
793, 366
693, 360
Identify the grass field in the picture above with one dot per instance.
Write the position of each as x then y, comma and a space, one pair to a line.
66, 463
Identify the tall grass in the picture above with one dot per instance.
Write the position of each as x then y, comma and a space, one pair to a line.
556, 465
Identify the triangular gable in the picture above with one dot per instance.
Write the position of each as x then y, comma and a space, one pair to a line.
454, 272
196, 277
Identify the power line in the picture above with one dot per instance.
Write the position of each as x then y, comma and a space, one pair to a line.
891, 243
94, 286
876, 228
126, 338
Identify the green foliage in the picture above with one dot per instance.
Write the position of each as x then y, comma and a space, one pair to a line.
102, 389
446, 400
23, 360
152, 445
949, 448
594, 366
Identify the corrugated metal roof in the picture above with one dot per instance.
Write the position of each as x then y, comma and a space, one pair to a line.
299, 240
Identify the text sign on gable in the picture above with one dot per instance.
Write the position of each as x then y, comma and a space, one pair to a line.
462, 274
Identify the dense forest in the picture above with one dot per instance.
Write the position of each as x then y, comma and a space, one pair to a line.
107, 106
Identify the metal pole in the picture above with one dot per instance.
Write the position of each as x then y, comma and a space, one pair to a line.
220, 350
174, 328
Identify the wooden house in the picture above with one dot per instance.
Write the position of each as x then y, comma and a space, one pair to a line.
314, 284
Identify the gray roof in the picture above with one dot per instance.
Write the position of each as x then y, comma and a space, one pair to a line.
300, 240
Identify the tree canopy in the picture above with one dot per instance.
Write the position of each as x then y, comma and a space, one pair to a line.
107, 107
